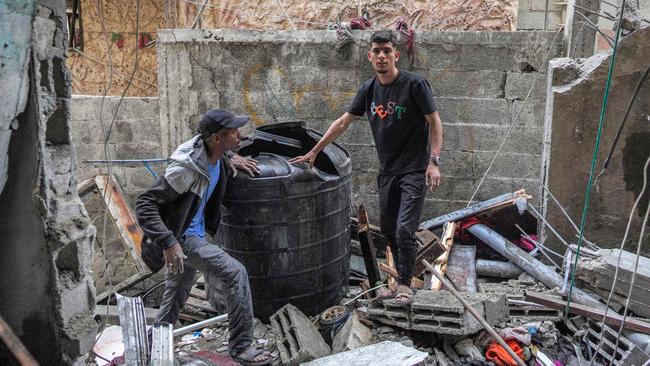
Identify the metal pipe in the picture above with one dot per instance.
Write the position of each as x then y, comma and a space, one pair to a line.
473, 311
125, 161
472, 210
498, 269
199, 325
526, 262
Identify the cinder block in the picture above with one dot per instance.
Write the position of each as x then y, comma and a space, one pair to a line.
514, 290
441, 312
474, 84
508, 165
518, 85
627, 353
529, 114
484, 111
297, 338
390, 313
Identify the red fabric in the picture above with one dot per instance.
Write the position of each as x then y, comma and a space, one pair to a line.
360, 23
461, 228
524, 243
410, 39
497, 354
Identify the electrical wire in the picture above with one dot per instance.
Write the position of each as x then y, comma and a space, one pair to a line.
566, 214
639, 84
623, 241
513, 122
583, 220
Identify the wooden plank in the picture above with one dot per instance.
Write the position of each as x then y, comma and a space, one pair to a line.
124, 285
415, 282
590, 312
85, 186
441, 262
200, 304
368, 248
378, 238
390, 262
198, 293
122, 218
431, 250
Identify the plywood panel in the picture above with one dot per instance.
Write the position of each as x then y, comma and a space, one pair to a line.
90, 71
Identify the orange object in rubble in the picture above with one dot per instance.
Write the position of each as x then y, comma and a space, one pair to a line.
497, 354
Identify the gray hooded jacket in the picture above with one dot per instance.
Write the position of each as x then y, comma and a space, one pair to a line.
166, 209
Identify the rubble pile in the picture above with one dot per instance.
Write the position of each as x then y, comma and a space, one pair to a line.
497, 304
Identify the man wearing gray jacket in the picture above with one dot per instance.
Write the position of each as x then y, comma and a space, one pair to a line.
176, 213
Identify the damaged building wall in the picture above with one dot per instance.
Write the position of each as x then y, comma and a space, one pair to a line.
480, 80
531, 14
135, 134
46, 295
575, 98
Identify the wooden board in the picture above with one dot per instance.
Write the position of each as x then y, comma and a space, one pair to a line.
441, 262
367, 247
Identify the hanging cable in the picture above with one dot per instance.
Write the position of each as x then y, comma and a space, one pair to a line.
583, 220
639, 84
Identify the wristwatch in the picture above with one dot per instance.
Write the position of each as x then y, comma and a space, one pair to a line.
435, 159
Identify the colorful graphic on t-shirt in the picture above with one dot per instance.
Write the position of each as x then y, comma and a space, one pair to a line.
391, 108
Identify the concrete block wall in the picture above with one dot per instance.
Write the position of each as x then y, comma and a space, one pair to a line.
531, 13
135, 135
480, 80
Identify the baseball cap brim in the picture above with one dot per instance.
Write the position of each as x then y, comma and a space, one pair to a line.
237, 121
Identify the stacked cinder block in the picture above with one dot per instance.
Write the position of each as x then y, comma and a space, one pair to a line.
297, 338
515, 290
390, 312
627, 353
440, 312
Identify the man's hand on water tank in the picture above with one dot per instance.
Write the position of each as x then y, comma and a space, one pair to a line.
310, 157
247, 165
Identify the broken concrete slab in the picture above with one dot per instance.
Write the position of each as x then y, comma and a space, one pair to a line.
390, 312
387, 353
521, 313
596, 273
297, 338
352, 335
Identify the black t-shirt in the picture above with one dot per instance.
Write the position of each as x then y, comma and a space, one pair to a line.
396, 115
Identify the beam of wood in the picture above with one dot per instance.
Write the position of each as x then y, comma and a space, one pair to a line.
450, 287
200, 304
14, 344
431, 250
198, 293
124, 285
392, 282
378, 238
368, 248
122, 218
441, 262
415, 282
612, 318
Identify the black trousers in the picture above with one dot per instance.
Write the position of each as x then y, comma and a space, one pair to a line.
401, 198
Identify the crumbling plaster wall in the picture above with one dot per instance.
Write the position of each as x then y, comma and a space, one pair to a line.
480, 80
134, 134
575, 95
46, 295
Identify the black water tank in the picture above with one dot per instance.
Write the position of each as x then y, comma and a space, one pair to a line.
290, 226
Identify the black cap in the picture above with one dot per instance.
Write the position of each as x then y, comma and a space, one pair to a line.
217, 119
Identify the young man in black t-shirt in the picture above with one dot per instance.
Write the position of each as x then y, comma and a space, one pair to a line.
408, 136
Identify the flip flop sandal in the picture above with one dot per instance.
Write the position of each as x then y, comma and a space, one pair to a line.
403, 292
247, 357
384, 293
